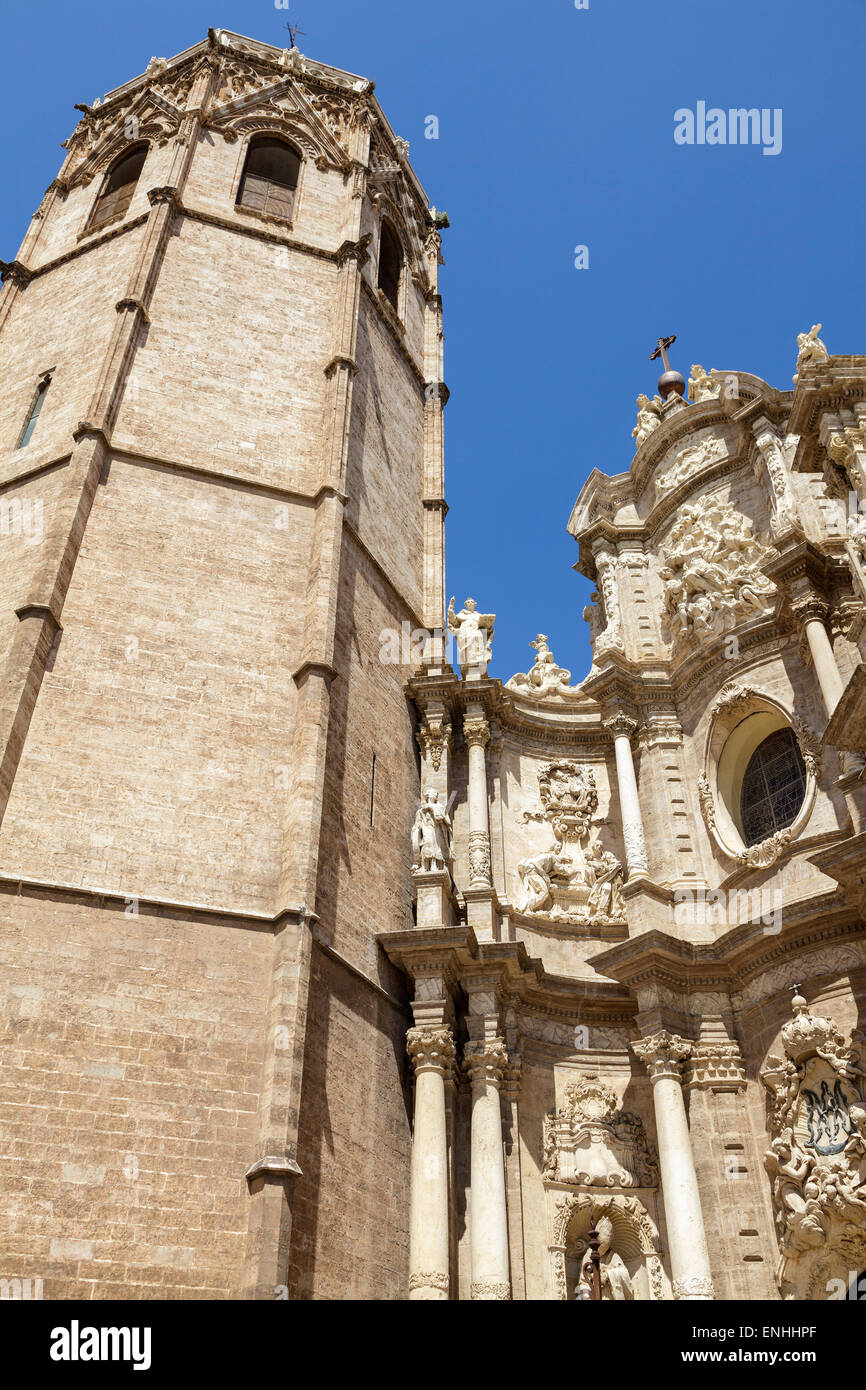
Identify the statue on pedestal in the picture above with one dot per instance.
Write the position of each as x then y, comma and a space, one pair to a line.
431, 835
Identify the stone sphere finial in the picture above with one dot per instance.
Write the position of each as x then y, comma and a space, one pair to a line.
671, 384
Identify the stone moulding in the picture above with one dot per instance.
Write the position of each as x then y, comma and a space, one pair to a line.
733, 704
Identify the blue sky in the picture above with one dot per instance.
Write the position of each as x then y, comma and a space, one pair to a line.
556, 129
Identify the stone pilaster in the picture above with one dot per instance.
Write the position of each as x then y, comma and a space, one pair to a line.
663, 1054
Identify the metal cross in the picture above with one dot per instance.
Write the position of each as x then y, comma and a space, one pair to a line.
293, 32
662, 350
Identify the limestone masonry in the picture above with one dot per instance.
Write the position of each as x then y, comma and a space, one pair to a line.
333, 970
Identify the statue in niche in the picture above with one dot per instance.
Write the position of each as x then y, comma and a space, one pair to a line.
648, 418
431, 835
474, 633
616, 1282
811, 352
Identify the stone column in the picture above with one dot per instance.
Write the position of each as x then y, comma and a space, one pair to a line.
432, 1051
813, 614
476, 732
486, 1062
662, 1054
621, 728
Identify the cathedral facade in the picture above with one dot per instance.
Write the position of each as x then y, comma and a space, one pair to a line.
334, 967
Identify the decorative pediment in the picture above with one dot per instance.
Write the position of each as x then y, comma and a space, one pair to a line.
593, 1143
264, 103
104, 134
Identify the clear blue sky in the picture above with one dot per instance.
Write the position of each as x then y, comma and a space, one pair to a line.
556, 129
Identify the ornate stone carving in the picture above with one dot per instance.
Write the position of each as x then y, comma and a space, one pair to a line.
610, 638
731, 696
811, 352
630, 1240
712, 571
433, 739
705, 797
784, 506
809, 743
593, 1143
490, 1290
761, 856
716, 1064
420, 1280
545, 679
486, 1060
619, 725
691, 460
841, 451
703, 387
431, 1048
648, 418
695, 1287
431, 835
474, 633
662, 1054
571, 882
479, 858
817, 1154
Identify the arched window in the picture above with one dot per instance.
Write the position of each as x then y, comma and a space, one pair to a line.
773, 787
119, 187
390, 264
270, 177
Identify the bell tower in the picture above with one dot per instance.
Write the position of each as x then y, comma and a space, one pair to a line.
221, 434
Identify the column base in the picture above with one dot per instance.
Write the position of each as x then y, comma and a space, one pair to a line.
693, 1290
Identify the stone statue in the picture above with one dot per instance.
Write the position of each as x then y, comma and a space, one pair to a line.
535, 874
545, 677
474, 633
605, 895
703, 387
431, 835
616, 1282
811, 351
647, 418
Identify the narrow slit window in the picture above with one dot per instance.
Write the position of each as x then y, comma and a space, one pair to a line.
116, 196
33, 413
270, 177
390, 265
373, 790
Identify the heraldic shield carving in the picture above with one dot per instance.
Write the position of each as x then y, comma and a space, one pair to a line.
817, 1156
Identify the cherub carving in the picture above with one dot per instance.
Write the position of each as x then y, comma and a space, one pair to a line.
703, 387
647, 418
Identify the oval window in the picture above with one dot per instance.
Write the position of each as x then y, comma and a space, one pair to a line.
773, 787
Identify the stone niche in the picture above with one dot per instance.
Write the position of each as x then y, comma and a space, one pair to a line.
598, 1162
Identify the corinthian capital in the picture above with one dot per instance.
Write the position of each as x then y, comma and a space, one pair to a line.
476, 731
811, 607
620, 726
486, 1061
431, 1048
662, 1054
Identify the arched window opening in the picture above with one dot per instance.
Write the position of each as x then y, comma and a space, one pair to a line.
270, 177
33, 413
116, 196
390, 264
773, 787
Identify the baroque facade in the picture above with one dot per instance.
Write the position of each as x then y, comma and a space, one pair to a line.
334, 974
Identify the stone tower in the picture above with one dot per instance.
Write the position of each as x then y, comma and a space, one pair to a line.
221, 433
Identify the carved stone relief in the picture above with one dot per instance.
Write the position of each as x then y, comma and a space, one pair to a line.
593, 1143
817, 1154
712, 571
545, 679
574, 881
